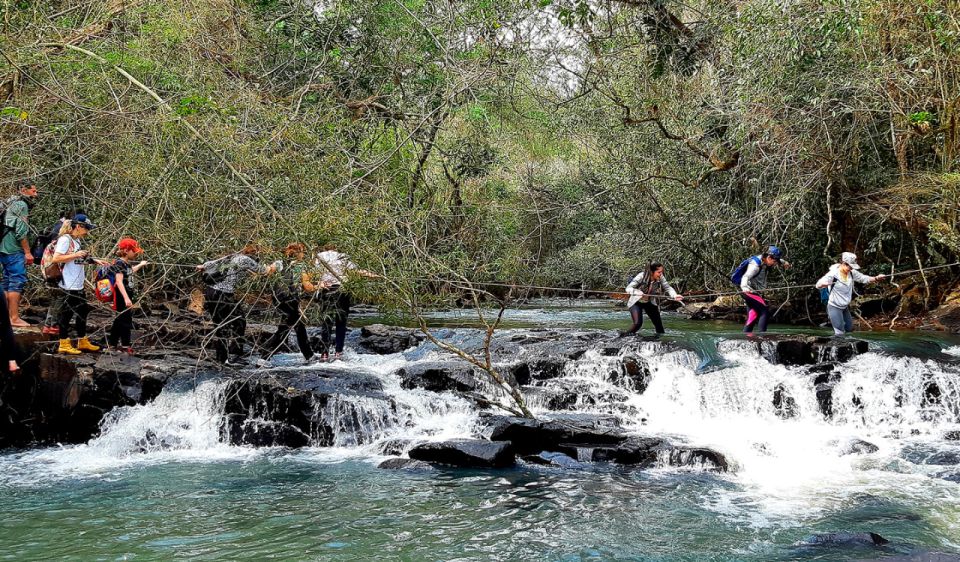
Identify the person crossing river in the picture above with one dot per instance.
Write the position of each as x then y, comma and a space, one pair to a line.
646, 290
840, 280
751, 277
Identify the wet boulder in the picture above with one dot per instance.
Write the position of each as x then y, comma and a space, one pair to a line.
641, 451
534, 435
697, 457
634, 374
804, 350
383, 340
437, 376
550, 458
858, 447
328, 406
843, 539
537, 370
466, 453
784, 405
404, 464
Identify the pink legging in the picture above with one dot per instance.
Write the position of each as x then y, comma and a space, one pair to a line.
757, 312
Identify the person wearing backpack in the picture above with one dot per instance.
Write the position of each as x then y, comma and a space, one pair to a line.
335, 303
124, 293
221, 277
15, 253
51, 322
751, 276
646, 290
70, 258
294, 283
840, 280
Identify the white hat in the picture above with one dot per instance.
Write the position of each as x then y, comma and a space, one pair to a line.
850, 259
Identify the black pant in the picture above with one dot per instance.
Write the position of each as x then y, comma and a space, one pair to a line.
335, 306
636, 314
758, 314
289, 309
73, 303
230, 322
122, 327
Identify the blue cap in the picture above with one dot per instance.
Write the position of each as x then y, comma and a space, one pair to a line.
82, 219
775, 253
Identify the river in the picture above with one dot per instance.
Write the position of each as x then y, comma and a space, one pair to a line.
121, 497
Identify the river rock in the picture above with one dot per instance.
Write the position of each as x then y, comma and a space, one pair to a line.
784, 405
550, 458
843, 539
802, 350
542, 369
438, 376
858, 447
383, 340
405, 464
328, 406
467, 453
534, 435
698, 457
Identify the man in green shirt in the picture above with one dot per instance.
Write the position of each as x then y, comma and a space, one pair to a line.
15, 253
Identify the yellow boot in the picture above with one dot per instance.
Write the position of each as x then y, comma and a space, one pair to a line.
67, 348
83, 344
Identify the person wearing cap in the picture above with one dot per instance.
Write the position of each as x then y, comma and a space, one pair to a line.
51, 323
755, 279
119, 336
15, 254
840, 279
70, 255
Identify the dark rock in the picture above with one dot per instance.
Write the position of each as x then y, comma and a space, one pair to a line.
469, 453
859, 447
698, 457
640, 451
953, 435
438, 376
785, 406
395, 447
383, 340
259, 433
404, 464
322, 405
542, 369
554, 399
843, 539
931, 454
533, 436
550, 458
634, 374
806, 350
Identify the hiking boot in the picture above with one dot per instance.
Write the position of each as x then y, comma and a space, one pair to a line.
84, 344
66, 348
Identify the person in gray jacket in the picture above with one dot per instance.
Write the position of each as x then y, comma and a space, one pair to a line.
646, 290
840, 280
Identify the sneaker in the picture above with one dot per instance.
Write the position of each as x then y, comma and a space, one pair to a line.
324, 358
338, 356
50, 330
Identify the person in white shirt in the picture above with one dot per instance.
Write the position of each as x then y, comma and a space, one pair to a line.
335, 304
69, 254
840, 280
646, 290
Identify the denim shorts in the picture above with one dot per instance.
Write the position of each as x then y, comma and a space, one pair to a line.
14, 272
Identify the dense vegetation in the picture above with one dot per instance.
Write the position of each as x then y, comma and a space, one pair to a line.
557, 142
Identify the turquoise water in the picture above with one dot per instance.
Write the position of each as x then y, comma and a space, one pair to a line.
199, 498
290, 506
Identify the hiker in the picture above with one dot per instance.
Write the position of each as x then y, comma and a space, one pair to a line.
71, 258
646, 290
51, 323
295, 281
15, 253
840, 280
222, 276
335, 302
751, 276
124, 294
9, 350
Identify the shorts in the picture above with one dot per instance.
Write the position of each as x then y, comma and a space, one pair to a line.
14, 272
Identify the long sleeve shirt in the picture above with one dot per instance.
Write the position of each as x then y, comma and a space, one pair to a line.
643, 288
755, 277
237, 267
842, 291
